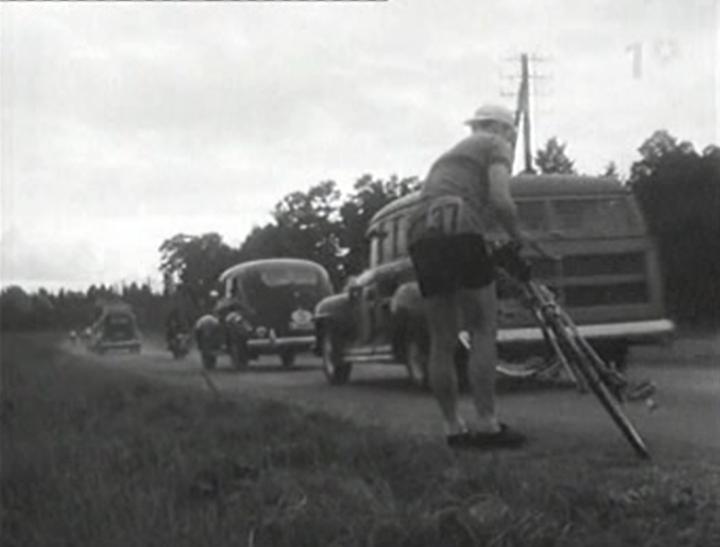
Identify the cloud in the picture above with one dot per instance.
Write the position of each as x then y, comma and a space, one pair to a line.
125, 123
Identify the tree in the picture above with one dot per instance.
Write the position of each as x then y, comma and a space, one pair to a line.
553, 159
611, 171
305, 225
679, 192
318, 225
196, 261
369, 196
15, 308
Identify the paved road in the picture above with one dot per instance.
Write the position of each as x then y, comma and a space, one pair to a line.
685, 425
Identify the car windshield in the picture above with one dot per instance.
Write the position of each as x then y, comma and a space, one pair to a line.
118, 320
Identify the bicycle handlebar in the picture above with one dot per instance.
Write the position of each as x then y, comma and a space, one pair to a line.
507, 256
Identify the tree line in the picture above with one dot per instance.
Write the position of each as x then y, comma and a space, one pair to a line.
75, 310
677, 187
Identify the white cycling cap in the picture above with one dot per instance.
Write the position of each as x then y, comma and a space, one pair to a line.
492, 112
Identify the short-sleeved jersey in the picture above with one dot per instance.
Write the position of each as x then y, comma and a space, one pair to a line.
454, 196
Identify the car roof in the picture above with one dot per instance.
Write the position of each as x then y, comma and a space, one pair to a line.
259, 265
525, 185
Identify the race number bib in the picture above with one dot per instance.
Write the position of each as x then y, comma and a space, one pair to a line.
446, 215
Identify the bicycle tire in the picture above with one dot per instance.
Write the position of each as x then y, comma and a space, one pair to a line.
600, 389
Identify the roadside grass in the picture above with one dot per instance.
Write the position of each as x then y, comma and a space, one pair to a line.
97, 457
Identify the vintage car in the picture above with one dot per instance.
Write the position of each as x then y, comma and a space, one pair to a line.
266, 308
605, 274
115, 328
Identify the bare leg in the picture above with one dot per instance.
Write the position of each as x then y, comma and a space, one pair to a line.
479, 308
443, 319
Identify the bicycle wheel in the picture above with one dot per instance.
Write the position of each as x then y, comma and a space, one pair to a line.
597, 385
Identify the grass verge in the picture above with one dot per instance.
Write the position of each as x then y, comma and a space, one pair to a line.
95, 457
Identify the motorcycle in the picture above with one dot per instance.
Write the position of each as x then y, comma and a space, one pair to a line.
179, 344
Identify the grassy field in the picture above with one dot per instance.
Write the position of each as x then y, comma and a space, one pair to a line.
96, 457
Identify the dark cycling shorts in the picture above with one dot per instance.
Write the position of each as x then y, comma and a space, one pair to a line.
445, 264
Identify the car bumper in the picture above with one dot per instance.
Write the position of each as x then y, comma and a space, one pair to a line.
651, 331
285, 342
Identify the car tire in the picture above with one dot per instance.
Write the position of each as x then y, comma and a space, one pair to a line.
337, 370
208, 361
287, 358
416, 362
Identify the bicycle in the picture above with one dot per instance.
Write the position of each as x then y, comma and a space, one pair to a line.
574, 353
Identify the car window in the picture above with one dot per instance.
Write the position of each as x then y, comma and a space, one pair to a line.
389, 241
275, 277
399, 236
116, 320
532, 215
378, 242
601, 216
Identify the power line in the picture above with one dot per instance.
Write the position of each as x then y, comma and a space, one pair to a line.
525, 95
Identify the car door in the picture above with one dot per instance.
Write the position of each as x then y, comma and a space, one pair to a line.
361, 297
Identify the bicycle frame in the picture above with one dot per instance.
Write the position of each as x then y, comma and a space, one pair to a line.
580, 360
577, 356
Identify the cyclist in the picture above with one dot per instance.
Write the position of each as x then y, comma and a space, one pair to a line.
463, 188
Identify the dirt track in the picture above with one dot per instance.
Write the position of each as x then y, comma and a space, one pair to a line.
686, 424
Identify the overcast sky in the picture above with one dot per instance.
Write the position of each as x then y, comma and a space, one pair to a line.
125, 123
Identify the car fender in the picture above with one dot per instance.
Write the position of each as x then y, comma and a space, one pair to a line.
333, 312
208, 332
408, 314
237, 325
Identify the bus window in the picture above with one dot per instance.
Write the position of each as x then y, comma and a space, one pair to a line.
377, 237
396, 239
381, 238
532, 216
598, 216
401, 238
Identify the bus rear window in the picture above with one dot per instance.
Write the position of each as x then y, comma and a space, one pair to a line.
276, 277
598, 216
531, 214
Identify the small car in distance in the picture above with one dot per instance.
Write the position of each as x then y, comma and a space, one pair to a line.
114, 329
266, 308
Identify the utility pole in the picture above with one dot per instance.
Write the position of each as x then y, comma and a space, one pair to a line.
524, 108
523, 114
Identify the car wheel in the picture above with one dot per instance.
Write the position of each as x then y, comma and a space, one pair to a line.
287, 358
208, 361
416, 362
336, 369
